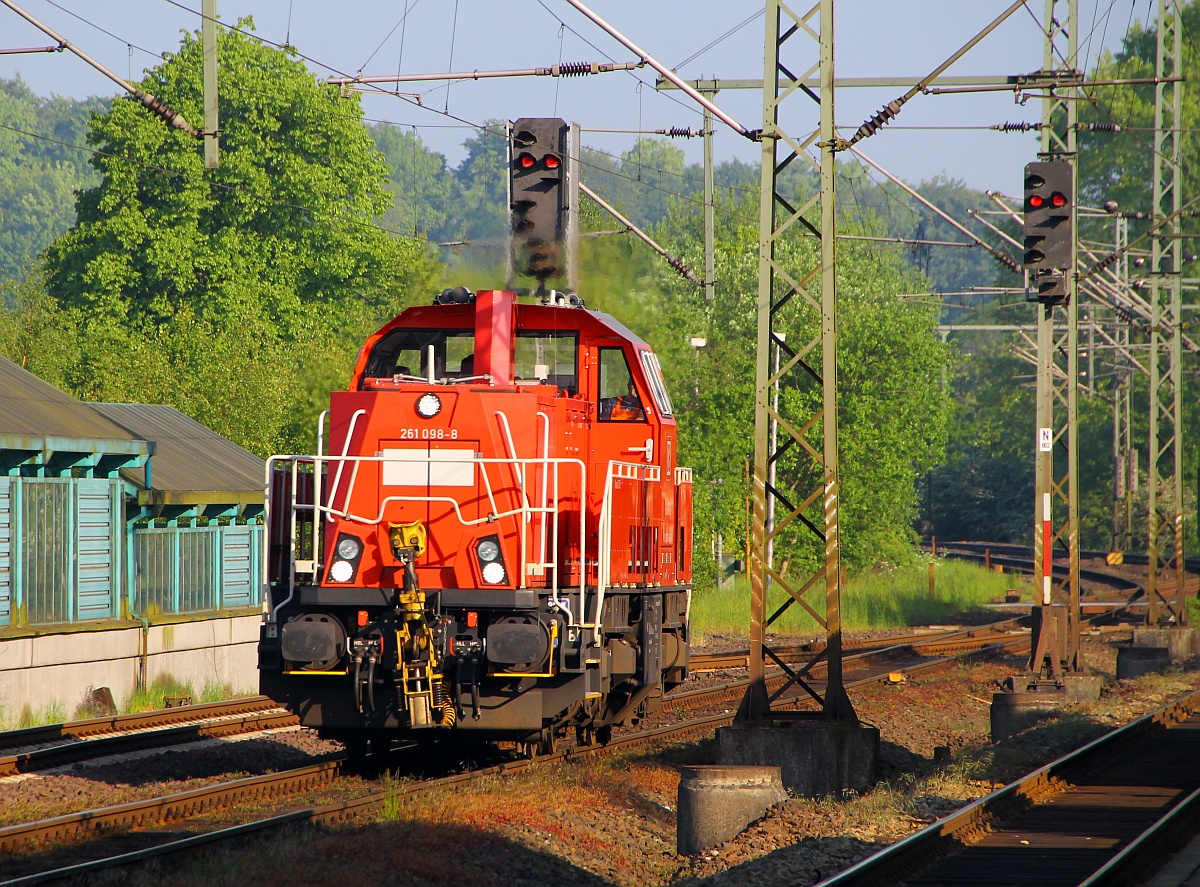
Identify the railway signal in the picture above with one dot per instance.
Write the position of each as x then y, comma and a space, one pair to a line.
538, 201
1049, 227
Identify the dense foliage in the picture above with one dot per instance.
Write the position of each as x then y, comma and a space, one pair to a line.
39, 171
238, 294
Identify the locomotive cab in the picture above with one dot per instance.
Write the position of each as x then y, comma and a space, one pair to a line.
493, 538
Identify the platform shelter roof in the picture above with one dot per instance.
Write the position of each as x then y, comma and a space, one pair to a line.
192, 464
36, 416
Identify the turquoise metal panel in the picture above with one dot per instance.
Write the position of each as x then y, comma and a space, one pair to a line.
46, 549
95, 549
239, 576
198, 569
154, 572
6, 551
179, 569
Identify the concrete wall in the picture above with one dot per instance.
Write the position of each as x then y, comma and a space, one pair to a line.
61, 669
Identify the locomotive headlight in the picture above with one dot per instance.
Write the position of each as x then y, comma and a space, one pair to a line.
491, 560
349, 548
488, 550
428, 406
341, 571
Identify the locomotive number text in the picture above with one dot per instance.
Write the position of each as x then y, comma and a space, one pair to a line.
429, 434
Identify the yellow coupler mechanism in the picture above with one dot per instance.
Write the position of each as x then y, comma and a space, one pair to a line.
423, 688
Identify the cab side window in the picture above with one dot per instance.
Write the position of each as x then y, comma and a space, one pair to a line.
619, 401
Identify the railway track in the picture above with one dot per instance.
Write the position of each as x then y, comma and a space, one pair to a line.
70, 752
149, 720
175, 808
43, 748
1021, 557
1106, 814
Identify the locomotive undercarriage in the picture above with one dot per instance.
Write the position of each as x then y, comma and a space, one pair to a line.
488, 664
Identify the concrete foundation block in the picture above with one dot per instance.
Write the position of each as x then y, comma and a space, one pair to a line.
1013, 712
1133, 662
717, 802
1181, 642
1082, 687
815, 758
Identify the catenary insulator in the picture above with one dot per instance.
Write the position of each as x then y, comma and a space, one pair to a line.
680, 132
1100, 127
1015, 126
574, 69
1106, 262
877, 120
166, 112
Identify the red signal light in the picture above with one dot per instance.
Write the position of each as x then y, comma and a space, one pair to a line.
1036, 200
526, 161
551, 161
1057, 199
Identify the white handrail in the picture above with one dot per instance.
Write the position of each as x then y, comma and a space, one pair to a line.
519, 471
324, 509
622, 471
337, 479
545, 482
317, 472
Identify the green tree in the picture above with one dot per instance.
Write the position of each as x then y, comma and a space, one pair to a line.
893, 408
422, 187
483, 182
38, 174
237, 293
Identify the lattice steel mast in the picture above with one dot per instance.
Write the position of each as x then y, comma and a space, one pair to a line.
1056, 479
1165, 469
810, 363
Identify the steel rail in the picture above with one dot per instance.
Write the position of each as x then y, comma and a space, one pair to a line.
199, 800
179, 805
904, 859
162, 717
69, 752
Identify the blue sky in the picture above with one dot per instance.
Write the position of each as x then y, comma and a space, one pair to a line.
873, 38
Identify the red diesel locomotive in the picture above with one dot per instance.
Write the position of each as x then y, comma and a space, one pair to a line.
494, 539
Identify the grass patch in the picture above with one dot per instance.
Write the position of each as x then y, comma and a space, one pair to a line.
392, 805
876, 599
214, 692
30, 717
154, 696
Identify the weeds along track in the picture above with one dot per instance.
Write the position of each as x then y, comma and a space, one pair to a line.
42, 748
1106, 814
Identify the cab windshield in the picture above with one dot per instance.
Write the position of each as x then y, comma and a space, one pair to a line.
405, 353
